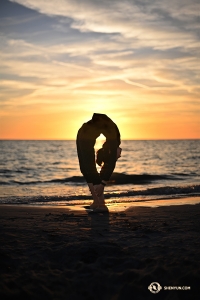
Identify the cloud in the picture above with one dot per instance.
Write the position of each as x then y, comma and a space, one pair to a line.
152, 35
120, 53
140, 19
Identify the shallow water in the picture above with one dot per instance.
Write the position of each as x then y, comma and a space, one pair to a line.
48, 171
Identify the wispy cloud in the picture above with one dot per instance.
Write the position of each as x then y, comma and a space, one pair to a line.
118, 53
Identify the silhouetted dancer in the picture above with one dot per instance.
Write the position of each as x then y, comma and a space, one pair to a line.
106, 156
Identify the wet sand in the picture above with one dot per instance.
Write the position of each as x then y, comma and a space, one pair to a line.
59, 253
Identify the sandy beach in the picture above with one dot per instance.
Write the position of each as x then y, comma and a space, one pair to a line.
59, 253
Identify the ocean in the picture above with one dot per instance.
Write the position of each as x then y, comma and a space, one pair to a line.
47, 172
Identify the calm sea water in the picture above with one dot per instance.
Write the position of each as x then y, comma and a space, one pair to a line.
48, 171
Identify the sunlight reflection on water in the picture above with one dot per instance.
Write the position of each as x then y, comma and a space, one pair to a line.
41, 168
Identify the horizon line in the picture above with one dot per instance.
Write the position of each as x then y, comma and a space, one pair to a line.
137, 139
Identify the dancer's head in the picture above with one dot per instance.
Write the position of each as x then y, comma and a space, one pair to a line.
103, 154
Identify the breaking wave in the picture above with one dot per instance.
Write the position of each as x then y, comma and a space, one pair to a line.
116, 179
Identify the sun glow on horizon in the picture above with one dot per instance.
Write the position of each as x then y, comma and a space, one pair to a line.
61, 62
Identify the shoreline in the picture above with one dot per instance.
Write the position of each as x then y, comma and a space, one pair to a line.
114, 205
51, 252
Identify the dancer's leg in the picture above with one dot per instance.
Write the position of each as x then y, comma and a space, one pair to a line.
101, 200
95, 203
102, 206
98, 202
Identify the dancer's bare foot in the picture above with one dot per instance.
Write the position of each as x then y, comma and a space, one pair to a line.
101, 208
94, 205
100, 203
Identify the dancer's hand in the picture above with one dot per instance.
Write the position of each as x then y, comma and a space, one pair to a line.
99, 188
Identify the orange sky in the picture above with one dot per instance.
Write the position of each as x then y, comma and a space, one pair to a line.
61, 62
